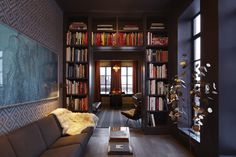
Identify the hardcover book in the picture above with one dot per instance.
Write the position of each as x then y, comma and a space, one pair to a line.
119, 134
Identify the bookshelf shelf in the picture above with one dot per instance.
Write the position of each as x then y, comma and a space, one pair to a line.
157, 95
77, 95
130, 31
78, 46
77, 79
156, 47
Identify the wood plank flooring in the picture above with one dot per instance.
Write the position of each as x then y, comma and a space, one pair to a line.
143, 145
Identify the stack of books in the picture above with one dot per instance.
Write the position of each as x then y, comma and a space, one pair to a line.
157, 26
78, 26
131, 27
104, 27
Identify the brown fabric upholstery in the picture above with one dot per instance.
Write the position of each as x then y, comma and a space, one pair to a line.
67, 151
49, 129
27, 141
88, 130
70, 140
6, 149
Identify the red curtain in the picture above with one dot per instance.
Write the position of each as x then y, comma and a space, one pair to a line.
135, 64
97, 96
116, 76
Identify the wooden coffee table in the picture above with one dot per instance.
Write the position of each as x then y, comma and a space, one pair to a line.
119, 138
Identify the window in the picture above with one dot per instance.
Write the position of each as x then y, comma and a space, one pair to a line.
197, 53
127, 80
196, 58
1, 69
105, 80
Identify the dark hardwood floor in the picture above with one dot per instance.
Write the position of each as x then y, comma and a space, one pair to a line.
143, 145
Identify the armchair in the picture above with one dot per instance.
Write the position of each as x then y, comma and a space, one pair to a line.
136, 112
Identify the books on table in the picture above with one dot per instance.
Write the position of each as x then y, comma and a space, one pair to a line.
119, 134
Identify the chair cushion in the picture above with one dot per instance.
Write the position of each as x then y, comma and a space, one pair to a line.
6, 149
70, 140
129, 113
27, 141
49, 129
67, 151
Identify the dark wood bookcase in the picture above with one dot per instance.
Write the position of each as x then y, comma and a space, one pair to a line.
156, 119
121, 34
76, 65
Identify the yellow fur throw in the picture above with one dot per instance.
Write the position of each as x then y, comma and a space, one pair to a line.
74, 123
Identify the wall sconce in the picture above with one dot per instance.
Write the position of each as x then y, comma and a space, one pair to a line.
116, 68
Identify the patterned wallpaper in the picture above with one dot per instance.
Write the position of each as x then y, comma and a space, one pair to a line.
42, 21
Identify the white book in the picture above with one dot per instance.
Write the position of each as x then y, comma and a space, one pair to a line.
104, 29
160, 104
151, 70
153, 120
152, 103
68, 58
152, 87
157, 24
104, 25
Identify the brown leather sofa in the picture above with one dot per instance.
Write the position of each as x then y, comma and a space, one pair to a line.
43, 138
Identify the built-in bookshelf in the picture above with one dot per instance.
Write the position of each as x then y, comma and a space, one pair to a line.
76, 69
117, 32
131, 34
156, 117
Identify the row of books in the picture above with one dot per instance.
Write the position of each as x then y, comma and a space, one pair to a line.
78, 26
76, 71
77, 38
155, 39
130, 39
104, 39
77, 104
73, 87
157, 71
156, 55
155, 104
159, 88
76, 55
157, 26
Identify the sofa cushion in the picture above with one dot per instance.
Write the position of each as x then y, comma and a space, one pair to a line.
49, 129
66, 151
27, 141
70, 140
88, 130
6, 149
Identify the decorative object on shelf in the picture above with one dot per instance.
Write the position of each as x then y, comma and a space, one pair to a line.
203, 91
116, 68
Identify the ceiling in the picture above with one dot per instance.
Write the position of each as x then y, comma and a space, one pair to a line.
87, 6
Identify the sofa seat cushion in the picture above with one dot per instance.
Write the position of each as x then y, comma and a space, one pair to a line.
70, 140
27, 141
66, 151
81, 139
6, 149
50, 129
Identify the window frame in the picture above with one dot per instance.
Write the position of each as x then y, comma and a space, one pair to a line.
106, 84
127, 76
